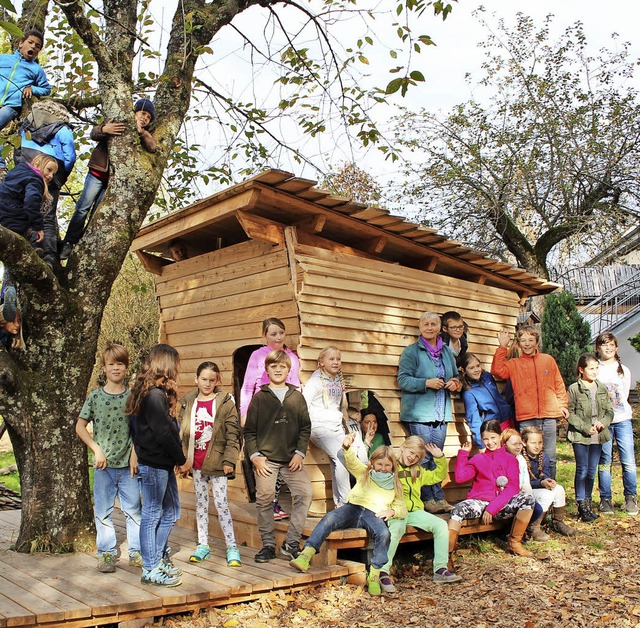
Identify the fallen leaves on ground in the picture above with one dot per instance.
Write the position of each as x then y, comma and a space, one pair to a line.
589, 580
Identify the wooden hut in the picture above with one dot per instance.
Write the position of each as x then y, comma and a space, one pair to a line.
336, 272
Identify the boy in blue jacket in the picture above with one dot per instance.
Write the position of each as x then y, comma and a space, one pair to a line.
21, 77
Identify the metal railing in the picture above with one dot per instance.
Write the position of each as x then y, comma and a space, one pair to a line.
613, 307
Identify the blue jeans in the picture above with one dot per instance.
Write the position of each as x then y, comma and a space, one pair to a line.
7, 114
430, 433
107, 485
350, 516
623, 434
587, 458
92, 194
548, 427
160, 511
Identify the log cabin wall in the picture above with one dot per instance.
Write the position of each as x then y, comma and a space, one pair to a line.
213, 304
370, 310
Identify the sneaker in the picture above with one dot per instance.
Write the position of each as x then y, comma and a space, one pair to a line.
166, 566
67, 247
290, 550
606, 506
135, 559
631, 504
233, 557
266, 554
444, 576
386, 584
159, 578
106, 563
10, 306
202, 553
278, 513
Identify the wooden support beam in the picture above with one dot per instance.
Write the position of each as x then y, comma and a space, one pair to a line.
313, 224
258, 228
152, 263
374, 246
429, 264
481, 279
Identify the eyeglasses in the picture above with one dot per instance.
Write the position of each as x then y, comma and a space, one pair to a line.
455, 327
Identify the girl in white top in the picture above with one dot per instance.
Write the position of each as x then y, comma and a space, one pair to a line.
617, 378
324, 393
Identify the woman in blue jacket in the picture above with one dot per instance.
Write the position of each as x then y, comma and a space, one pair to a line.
427, 375
482, 399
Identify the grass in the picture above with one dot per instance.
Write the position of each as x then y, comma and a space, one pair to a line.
12, 480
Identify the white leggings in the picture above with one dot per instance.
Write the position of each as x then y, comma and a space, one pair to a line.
546, 498
219, 486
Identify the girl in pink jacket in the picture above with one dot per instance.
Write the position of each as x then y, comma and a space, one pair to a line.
274, 334
495, 492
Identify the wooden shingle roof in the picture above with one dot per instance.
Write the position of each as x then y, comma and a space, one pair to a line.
282, 199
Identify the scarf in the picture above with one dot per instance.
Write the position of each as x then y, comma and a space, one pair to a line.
434, 352
383, 480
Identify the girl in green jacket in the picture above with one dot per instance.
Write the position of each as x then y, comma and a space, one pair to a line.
590, 413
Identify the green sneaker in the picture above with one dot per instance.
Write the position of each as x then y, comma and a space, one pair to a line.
202, 553
303, 561
233, 557
167, 566
135, 559
373, 582
106, 563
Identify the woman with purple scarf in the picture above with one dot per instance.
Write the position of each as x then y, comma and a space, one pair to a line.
427, 375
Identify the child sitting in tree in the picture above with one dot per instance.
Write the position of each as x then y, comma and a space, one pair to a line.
21, 78
97, 179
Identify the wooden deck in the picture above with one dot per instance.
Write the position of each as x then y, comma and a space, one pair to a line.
67, 590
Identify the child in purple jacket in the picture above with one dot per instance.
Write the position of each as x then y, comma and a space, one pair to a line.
495, 492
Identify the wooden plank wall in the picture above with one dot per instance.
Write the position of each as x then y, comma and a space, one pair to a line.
370, 310
215, 303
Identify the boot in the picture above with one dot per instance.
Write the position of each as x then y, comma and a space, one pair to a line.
519, 527
558, 524
584, 512
535, 531
304, 559
373, 582
592, 513
454, 533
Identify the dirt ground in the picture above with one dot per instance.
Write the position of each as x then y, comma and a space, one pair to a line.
588, 580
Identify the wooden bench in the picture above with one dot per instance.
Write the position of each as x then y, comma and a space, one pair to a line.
246, 529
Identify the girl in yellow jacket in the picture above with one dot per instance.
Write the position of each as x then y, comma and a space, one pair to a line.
376, 498
413, 477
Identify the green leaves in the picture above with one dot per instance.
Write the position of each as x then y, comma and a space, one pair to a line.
11, 28
404, 83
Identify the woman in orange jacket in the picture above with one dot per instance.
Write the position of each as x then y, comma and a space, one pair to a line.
538, 388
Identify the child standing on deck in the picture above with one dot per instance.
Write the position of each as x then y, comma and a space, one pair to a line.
590, 413
21, 78
376, 498
115, 461
211, 442
413, 477
325, 397
276, 437
275, 336
152, 408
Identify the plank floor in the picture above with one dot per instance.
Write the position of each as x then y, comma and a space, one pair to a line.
67, 590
